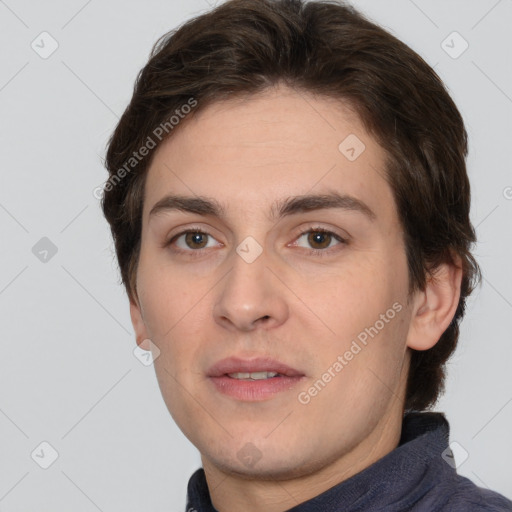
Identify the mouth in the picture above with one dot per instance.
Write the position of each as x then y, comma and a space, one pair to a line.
254, 375
256, 368
253, 379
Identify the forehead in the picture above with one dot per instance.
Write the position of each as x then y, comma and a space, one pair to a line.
249, 153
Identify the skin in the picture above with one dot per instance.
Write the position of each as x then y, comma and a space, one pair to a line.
298, 308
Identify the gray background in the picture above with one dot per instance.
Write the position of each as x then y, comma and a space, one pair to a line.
68, 375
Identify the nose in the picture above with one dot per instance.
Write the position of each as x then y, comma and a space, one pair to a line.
251, 296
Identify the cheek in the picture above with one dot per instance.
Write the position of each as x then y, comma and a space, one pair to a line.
364, 308
360, 373
353, 297
175, 317
173, 309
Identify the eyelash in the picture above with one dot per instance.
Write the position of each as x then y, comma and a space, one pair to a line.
313, 252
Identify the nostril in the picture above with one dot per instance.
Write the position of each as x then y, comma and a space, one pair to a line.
265, 318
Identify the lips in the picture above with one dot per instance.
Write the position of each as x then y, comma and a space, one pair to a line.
259, 364
253, 380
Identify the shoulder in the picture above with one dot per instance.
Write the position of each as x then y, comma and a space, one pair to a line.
465, 496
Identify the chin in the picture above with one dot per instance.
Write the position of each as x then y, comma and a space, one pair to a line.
279, 461
280, 469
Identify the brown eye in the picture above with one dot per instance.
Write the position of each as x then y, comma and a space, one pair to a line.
319, 239
196, 240
192, 242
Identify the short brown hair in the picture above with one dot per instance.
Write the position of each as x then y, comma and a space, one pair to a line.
327, 48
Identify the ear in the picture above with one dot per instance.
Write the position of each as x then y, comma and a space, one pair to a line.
141, 334
435, 307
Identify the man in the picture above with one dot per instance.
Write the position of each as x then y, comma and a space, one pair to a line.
290, 206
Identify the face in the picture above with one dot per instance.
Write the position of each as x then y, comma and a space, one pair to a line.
284, 255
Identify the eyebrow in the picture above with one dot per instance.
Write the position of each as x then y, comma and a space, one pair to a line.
202, 205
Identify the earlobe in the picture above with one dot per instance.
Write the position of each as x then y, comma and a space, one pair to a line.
435, 307
139, 326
